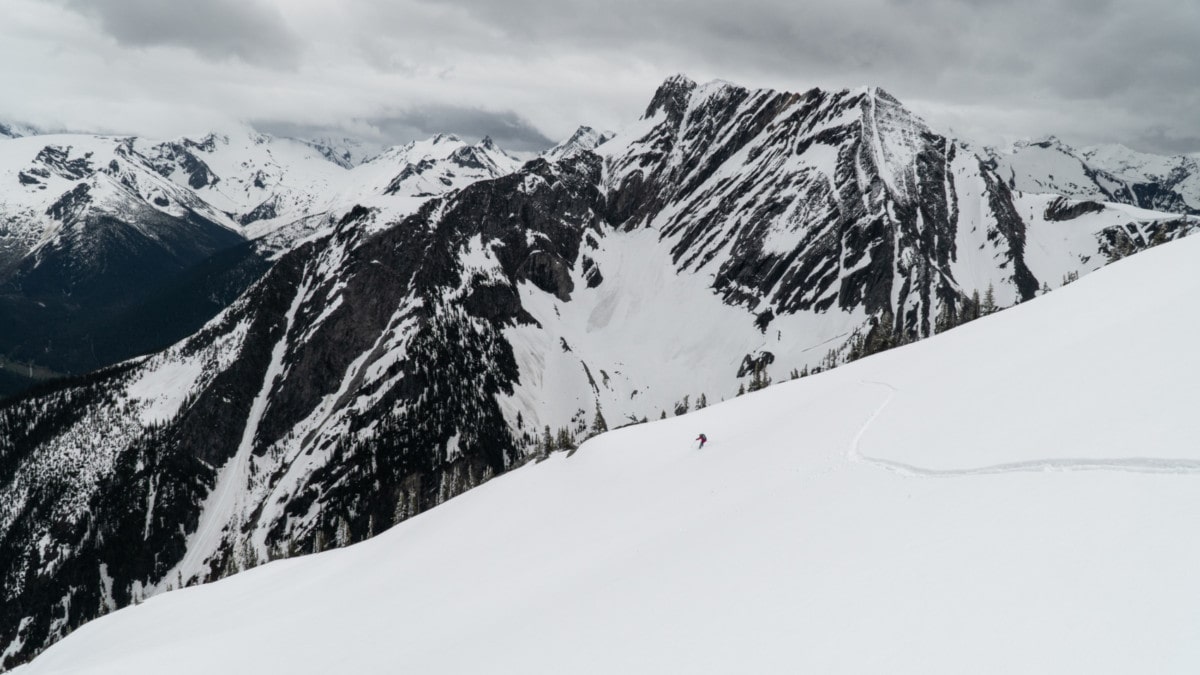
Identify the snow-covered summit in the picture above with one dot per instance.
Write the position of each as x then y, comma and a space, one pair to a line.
584, 139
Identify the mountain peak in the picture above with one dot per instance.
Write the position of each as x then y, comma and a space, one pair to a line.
584, 139
1048, 142
883, 95
582, 132
671, 96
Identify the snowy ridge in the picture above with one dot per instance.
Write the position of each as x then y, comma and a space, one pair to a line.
585, 139
248, 182
780, 547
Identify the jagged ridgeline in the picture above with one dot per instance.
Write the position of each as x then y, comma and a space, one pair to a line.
729, 238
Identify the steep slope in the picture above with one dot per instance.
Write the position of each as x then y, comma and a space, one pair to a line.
727, 238
831, 525
257, 434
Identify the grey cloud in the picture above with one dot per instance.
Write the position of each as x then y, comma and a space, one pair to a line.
1086, 70
1063, 56
509, 130
1162, 141
249, 30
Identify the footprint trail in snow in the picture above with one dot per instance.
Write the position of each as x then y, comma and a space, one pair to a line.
1056, 464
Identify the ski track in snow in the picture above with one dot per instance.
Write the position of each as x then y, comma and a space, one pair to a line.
1056, 464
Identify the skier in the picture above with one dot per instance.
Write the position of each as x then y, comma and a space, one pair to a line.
703, 439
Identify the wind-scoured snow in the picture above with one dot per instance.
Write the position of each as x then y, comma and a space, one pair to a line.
977, 502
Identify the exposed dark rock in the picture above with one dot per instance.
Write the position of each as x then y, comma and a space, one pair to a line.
752, 363
264, 211
1065, 209
549, 273
57, 159
71, 204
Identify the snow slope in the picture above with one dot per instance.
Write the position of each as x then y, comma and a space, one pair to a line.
976, 502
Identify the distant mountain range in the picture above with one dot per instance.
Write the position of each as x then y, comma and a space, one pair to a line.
1111, 173
113, 246
413, 325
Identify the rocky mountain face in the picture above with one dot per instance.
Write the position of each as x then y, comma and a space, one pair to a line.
1107, 173
381, 366
112, 247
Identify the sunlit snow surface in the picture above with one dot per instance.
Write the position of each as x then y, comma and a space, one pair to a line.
1019, 495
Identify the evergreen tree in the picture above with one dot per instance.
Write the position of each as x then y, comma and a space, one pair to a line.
831, 360
759, 379
682, 407
741, 388
599, 426
547, 441
947, 318
989, 301
565, 440
858, 347
881, 336
342, 533
701, 402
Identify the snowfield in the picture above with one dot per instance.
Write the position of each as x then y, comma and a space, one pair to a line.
1019, 495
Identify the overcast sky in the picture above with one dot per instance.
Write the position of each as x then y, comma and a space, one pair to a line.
527, 72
